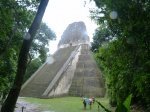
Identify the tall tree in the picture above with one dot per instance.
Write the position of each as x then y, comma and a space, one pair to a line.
126, 59
16, 18
40, 43
13, 23
22, 61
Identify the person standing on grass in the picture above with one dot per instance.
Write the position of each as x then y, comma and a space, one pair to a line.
84, 103
90, 103
93, 100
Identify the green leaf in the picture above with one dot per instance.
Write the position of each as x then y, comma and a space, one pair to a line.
121, 108
127, 102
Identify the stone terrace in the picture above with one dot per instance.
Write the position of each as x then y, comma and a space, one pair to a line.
88, 80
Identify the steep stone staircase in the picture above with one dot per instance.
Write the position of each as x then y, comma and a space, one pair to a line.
41, 80
88, 80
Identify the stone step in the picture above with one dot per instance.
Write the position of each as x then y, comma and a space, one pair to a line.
88, 80
42, 79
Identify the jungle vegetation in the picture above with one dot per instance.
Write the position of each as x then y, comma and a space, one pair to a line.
20, 44
121, 46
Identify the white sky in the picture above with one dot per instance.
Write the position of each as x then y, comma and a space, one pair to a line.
60, 13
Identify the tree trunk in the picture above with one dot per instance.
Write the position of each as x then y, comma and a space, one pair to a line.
10, 101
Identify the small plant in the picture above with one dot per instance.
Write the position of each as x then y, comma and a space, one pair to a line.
103, 107
125, 106
122, 107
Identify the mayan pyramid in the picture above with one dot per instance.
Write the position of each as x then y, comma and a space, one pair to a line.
70, 71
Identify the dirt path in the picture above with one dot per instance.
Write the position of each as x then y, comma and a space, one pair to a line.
28, 107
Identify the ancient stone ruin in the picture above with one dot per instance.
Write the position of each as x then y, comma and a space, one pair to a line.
75, 34
70, 71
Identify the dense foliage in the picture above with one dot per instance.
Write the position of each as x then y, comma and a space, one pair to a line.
23, 59
126, 58
15, 19
101, 37
32, 67
122, 107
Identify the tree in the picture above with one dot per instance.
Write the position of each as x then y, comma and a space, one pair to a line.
38, 50
32, 67
40, 43
126, 59
14, 21
16, 17
101, 37
22, 61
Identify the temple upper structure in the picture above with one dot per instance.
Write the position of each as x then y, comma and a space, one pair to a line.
75, 34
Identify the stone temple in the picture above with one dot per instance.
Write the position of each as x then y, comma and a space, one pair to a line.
71, 71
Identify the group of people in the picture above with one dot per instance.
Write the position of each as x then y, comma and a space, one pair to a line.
88, 101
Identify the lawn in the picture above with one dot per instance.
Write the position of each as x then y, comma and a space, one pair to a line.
67, 104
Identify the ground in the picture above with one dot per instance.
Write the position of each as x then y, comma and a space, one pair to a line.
65, 104
27, 107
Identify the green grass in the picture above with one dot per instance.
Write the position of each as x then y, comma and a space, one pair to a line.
67, 104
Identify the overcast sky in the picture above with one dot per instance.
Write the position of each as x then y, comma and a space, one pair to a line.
60, 13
